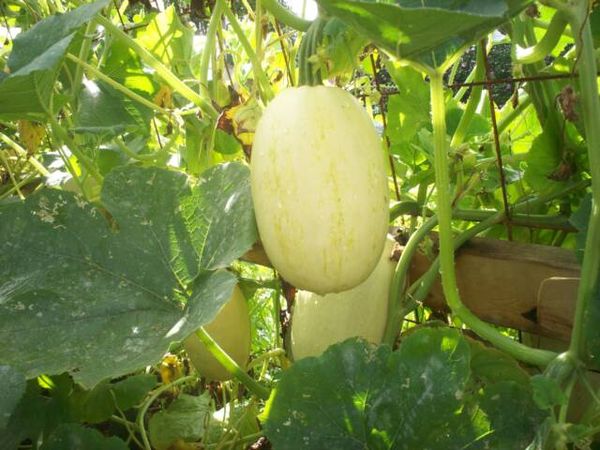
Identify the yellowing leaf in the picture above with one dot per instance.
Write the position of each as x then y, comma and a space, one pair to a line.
31, 134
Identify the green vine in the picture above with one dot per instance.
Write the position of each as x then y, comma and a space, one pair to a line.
444, 201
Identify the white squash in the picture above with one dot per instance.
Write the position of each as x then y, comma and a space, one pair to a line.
231, 330
321, 321
319, 186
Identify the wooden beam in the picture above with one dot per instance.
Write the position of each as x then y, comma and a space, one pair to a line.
528, 287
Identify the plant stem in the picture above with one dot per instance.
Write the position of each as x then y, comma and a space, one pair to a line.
256, 64
419, 289
285, 16
590, 102
161, 70
394, 318
116, 85
11, 176
144, 408
86, 45
231, 366
545, 46
524, 103
461, 130
209, 46
22, 152
272, 354
444, 209
63, 136
276, 305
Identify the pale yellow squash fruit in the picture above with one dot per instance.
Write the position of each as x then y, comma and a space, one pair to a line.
319, 187
231, 330
320, 321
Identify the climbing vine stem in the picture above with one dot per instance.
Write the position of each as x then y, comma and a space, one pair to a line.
444, 210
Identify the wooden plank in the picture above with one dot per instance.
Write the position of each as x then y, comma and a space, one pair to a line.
509, 284
556, 305
502, 282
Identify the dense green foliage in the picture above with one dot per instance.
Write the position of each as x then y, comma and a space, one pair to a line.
127, 218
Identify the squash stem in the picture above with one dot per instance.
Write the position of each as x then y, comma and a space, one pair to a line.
209, 46
444, 209
589, 286
395, 315
285, 16
231, 366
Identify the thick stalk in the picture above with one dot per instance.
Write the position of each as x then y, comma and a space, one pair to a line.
209, 45
395, 316
231, 366
590, 103
474, 98
259, 73
444, 209
86, 45
285, 16
545, 46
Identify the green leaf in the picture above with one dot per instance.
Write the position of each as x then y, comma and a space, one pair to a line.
111, 294
543, 159
341, 47
547, 393
595, 25
34, 62
183, 420
76, 437
98, 404
418, 30
132, 390
12, 389
95, 405
408, 111
169, 40
40, 38
510, 415
39, 412
424, 395
105, 111
123, 65
226, 144
479, 125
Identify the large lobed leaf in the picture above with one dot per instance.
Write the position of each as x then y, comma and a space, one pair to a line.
101, 298
437, 391
427, 32
12, 389
34, 62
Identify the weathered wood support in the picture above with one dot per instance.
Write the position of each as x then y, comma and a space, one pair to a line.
523, 286
529, 287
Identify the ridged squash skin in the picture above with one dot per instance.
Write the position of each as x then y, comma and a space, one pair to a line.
320, 321
319, 187
231, 330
